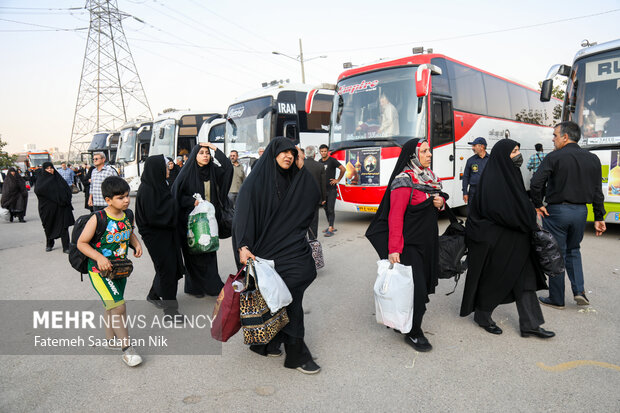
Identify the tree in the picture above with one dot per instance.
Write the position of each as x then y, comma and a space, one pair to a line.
6, 160
169, 110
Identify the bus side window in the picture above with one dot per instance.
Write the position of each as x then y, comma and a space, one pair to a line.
441, 128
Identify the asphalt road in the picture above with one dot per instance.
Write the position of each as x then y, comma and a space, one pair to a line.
365, 367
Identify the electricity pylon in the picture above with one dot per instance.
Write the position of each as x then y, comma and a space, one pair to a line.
110, 91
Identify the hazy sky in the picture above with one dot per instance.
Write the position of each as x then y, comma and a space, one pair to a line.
201, 54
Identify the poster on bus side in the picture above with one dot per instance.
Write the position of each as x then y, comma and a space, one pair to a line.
363, 166
613, 181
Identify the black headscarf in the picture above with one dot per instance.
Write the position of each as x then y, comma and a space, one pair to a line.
275, 206
52, 187
54, 196
500, 197
192, 177
155, 206
174, 172
378, 230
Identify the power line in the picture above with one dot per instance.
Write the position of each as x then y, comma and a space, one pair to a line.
529, 26
42, 8
47, 27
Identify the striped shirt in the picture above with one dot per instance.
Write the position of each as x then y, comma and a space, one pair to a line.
96, 178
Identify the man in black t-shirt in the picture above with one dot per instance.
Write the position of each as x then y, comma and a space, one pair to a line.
330, 164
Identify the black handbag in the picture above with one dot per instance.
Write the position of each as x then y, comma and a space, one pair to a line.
548, 252
224, 223
452, 250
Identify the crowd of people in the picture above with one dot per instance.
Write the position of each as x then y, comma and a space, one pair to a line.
276, 208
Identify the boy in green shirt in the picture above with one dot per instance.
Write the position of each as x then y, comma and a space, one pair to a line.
112, 245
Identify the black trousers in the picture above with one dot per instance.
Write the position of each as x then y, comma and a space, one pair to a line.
314, 225
528, 307
64, 238
297, 353
330, 204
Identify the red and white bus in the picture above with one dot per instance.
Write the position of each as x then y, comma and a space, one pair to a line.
379, 107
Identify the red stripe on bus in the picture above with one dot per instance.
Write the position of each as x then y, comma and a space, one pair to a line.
363, 195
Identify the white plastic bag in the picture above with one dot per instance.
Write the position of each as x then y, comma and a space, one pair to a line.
271, 286
5, 214
394, 295
202, 231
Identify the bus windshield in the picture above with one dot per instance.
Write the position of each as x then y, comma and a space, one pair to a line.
593, 98
127, 145
37, 159
248, 125
377, 106
162, 139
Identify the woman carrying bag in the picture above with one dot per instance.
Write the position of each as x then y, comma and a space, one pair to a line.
404, 229
14, 195
274, 209
202, 176
501, 264
55, 207
156, 217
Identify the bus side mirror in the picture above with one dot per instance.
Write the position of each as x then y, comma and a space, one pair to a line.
545, 90
423, 78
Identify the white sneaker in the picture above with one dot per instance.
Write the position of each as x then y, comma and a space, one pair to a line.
131, 358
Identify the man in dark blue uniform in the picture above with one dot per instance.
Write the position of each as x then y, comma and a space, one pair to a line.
474, 167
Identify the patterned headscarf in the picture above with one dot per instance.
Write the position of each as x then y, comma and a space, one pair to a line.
424, 178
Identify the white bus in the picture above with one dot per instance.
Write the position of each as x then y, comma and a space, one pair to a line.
213, 130
277, 110
133, 149
592, 100
175, 133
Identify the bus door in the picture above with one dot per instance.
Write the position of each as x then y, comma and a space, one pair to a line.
442, 137
287, 123
187, 132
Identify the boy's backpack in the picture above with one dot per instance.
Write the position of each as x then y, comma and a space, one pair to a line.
79, 261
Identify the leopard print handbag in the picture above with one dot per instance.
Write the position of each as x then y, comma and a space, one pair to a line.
259, 325
317, 251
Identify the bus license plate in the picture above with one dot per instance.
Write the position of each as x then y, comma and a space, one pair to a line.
362, 208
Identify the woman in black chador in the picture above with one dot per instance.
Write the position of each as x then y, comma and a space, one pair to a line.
404, 229
55, 207
274, 210
14, 195
502, 267
202, 176
156, 217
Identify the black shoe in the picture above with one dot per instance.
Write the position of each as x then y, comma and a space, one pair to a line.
309, 367
65, 250
547, 301
263, 350
155, 300
48, 249
11, 218
493, 329
538, 332
22, 220
581, 299
418, 342
196, 295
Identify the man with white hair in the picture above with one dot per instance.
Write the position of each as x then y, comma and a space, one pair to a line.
101, 172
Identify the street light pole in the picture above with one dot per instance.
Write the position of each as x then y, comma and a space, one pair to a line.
301, 59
